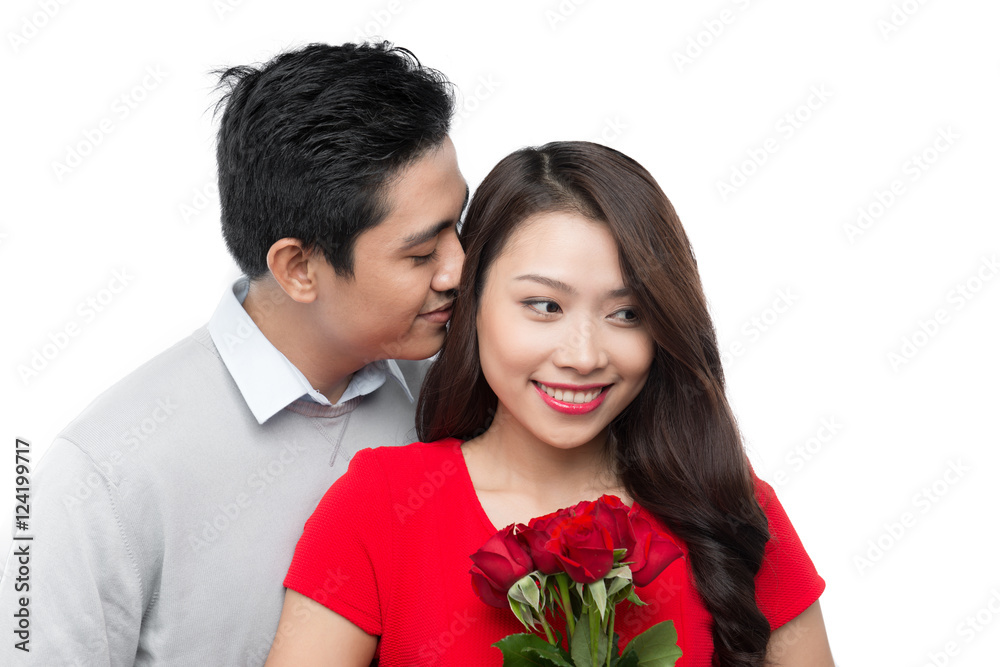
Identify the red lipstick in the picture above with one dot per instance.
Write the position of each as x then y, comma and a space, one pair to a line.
573, 408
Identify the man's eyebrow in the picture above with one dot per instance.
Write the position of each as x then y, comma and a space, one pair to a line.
416, 239
563, 287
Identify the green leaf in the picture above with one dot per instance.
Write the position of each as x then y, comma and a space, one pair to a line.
523, 613
657, 646
616, 586
582, 649
623, 572
526, 650
619, 554
526, 590
629, 659
634, 599
554, 654
599, 593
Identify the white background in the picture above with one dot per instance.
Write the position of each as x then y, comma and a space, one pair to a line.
883, 80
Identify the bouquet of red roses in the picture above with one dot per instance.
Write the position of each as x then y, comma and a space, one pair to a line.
578, 563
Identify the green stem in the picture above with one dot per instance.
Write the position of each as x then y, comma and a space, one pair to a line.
567, 608
611, 635
595, 635
548, 631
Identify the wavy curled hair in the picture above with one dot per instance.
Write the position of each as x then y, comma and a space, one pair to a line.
676, 448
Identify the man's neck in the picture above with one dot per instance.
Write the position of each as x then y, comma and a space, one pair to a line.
286, 325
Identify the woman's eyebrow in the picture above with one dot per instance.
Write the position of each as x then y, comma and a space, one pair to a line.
563, 287
548, 282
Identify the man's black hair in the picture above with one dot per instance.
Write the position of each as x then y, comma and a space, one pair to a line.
310, 141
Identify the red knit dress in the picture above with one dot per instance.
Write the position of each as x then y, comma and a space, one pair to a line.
388, 548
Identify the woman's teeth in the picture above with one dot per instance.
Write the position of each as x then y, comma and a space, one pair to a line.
569, 396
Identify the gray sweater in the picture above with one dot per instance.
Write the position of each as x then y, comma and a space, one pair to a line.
165, 517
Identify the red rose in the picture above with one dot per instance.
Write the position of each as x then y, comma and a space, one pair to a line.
584, 548
499, 564
536, 535
613, 514
653, 551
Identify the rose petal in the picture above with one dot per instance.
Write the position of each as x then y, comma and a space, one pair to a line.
662, 551
487, 592
596, 564
536, 540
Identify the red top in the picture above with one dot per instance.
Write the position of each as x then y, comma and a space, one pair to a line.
388, 548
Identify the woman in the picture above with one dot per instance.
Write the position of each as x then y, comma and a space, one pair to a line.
581, 361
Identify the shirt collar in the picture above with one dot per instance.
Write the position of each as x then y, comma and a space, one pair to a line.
268, 381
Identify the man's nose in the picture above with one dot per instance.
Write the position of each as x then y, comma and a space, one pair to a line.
450, 265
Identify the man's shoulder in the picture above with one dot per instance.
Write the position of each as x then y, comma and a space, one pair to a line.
134, 407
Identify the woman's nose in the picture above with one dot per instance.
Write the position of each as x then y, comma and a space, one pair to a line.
581, 349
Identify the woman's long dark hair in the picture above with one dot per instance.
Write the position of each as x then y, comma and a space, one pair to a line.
676, 447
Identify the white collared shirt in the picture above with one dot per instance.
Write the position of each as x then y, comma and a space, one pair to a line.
268, 381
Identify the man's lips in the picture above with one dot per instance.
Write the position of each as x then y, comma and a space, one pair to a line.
440, 315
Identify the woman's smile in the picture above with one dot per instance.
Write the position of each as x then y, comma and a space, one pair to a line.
570, 400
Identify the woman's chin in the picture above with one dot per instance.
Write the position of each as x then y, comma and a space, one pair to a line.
570, 441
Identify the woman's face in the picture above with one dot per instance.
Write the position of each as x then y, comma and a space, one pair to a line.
559, 338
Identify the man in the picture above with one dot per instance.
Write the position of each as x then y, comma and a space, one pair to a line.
165, 516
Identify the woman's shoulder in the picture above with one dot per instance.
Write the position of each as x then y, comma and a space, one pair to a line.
378, 478
405, 462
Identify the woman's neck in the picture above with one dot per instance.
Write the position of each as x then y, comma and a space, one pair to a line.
511, 468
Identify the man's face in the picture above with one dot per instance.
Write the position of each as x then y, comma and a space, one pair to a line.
405, 268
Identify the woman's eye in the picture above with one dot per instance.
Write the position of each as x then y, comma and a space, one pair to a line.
626, 315
543, 306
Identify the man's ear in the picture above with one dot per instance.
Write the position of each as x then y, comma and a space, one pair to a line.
294, 268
